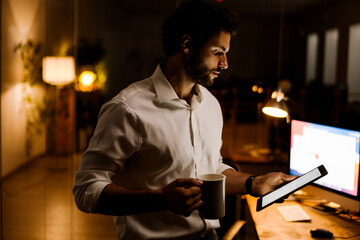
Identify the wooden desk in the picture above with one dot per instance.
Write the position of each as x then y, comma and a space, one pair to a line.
270, 224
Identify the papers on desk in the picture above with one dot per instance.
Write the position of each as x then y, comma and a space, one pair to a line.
293, 213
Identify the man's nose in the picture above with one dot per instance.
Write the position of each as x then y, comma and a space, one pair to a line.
223, 63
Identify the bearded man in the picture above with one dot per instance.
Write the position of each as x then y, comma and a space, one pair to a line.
158, 135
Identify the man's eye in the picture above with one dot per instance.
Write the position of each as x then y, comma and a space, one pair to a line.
216, 52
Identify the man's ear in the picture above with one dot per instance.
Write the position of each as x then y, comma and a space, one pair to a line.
186, 44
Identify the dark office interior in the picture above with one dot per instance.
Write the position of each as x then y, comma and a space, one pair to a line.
307, 48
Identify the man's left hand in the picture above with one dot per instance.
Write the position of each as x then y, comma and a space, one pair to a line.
264, 184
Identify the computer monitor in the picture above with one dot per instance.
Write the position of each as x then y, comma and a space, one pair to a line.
337, 149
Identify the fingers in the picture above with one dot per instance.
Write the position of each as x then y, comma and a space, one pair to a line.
280, 178
271, 181
281, 200
188, 182
183, 195
193, 203
192, 199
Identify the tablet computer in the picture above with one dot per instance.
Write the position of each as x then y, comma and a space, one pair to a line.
291, 187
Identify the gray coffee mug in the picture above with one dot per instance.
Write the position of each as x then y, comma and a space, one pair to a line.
213, 196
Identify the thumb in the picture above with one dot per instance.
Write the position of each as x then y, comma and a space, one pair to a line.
288, 178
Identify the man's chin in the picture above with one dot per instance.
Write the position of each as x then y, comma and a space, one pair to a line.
207, 83
204, 81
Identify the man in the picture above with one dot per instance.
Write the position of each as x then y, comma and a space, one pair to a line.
155, 137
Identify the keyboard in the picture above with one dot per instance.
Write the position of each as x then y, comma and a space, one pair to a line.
293, 213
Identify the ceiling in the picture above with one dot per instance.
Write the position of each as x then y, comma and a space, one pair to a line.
272, 6
241, 6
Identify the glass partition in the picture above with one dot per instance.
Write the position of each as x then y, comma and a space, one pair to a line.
120, 42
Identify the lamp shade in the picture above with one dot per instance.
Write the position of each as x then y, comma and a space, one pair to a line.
275, 109
276, 106
58, 70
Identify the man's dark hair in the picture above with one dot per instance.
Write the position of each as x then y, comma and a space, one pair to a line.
198, 19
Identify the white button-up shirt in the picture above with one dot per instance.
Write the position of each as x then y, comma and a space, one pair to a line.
146, 137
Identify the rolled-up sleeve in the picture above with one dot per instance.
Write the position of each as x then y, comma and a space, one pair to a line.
90, 181
114, 140
222, 167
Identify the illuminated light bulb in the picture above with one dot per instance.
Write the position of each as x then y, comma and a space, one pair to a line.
274, 94
87, 78
279, 95
86, 81
254, 88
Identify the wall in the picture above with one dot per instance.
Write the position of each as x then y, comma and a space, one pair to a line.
50, 24
129, 31
329, 104
131, 34
22, 20
336, 14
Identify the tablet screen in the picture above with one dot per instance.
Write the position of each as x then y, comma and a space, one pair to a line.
291, 187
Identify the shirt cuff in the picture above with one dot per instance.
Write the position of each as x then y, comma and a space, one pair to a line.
92, 195
88, 188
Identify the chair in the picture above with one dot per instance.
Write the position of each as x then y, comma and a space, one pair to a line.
234, 230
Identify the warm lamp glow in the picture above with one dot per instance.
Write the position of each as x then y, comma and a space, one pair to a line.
86, 81
276, 106
58, 70
275, 112
278, 95
254, 88
87, 78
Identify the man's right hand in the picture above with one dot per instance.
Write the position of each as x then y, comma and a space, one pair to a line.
182, 196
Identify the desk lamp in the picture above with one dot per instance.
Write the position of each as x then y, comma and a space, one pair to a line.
276, 106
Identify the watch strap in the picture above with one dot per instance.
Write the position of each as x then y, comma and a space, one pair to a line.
248, 185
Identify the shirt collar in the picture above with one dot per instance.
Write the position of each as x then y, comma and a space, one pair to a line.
166, 93
163, 88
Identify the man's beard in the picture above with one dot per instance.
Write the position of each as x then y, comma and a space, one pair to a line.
198, 72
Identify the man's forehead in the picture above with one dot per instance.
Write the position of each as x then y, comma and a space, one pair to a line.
220, 40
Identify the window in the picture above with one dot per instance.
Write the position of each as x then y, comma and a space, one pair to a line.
311, 56
353, 70
330, 56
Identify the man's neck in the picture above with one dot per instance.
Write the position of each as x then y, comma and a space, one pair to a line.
175, 73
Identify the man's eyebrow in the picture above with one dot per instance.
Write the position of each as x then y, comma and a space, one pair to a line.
223, 48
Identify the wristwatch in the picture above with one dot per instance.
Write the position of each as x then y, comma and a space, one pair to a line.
248, 185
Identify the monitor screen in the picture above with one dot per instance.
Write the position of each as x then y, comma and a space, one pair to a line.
336, 148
